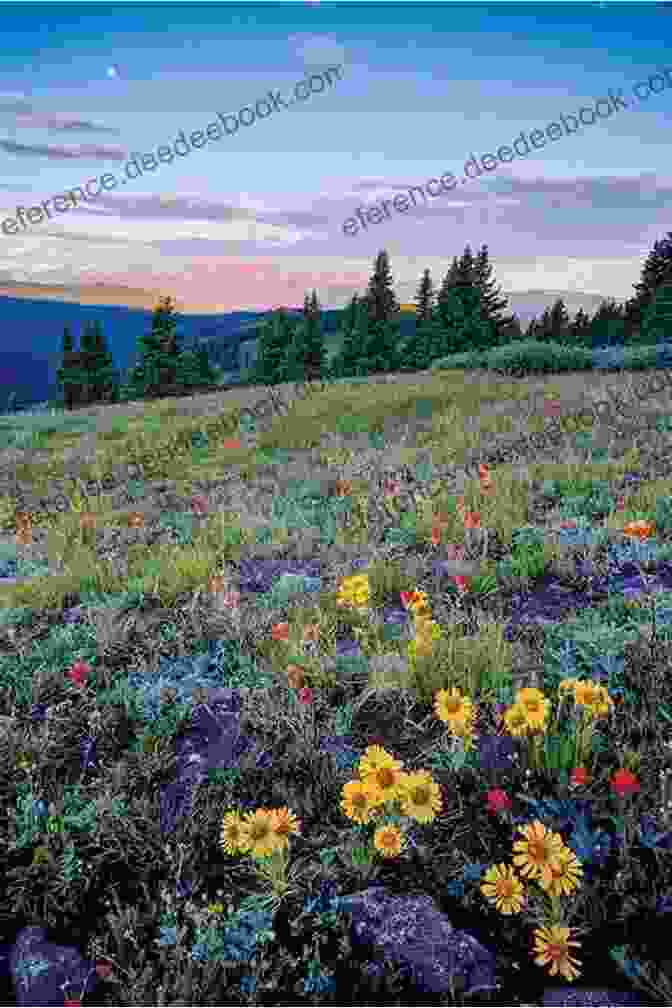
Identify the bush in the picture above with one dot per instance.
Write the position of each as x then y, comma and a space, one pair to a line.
533, 355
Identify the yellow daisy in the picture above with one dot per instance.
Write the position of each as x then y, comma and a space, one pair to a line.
535, 705
452, 708
357, 801
515, 720
375, 757
503, 888
421, 796
284, 824
538, 852
389, 840
553, 946
258, 833
565, 874
232, 837
585, 693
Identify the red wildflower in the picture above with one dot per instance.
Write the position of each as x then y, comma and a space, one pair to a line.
78, 673
305, 695
462, 582
498, 800
623, 782
579, 777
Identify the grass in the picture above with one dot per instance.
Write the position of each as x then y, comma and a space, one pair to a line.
305, 486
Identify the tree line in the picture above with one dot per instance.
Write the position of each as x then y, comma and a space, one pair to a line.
87, 375
466, 313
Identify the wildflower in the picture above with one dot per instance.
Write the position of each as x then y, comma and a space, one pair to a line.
564, 875
389, 840
215, 908
354, 590
284, 824
535, 705
258, 833
452, 708
103, 970
232, 837
136, 519
231, 443
421, 796
305, 695
579, 777
295, 676
416, 601
603, 703
358, 801
624, 782
199, 504
620, 504
311, 632
515, 720
391, 487
552, 946
498, 800
78, 673
41, 855
503, 888
87, 520
638, 530
461, 582
538, 851
552, 407
381, 771
280, 632
343, 488
472, 520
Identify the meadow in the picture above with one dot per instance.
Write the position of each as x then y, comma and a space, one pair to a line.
433, 658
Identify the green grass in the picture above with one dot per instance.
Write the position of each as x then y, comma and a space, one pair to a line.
108, 876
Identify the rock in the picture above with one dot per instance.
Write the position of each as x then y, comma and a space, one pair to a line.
414, 933
40, 970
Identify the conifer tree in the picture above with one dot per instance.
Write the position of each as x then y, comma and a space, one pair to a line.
492, 303
415, 352
353, 331
274, 341
607, 326
447, 285
379, 351
657, 319
156, 370
307, 358
462, 320
657, 270
68, 374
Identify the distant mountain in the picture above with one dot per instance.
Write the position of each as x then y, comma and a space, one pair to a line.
31, 332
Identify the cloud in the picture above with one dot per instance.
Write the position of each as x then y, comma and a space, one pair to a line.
318, 51
59, 153
80, 125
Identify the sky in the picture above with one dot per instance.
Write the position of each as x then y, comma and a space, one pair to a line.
255, 219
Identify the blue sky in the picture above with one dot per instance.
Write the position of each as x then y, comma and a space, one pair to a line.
255, 219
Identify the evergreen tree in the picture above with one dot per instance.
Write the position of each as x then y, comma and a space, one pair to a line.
105, 378
462, 320
307, 357
352, 332
657, 319
492, 304
559, 322
67, 375
416, 350
511, 331
607, 326
156, 371
379, 351
657, 270
579, 330
447, 285
275, 337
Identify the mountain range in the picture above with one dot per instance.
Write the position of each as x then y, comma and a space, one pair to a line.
32, 319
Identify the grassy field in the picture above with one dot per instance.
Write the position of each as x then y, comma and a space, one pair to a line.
136, 538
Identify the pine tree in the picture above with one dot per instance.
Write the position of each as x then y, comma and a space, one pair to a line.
307, 357
352, 332
657, 319
415, 351
67, 375
156, 370
275, 337
578, 334
462, 321
492, 304
379, 351
559, 322
607, 326
105, 377
657, 270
